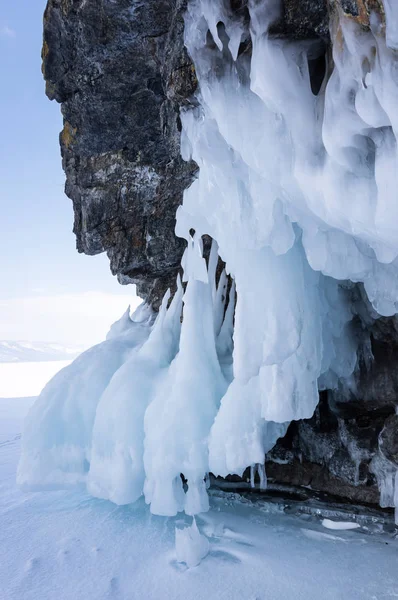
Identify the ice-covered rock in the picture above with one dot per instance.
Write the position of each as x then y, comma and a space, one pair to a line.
297, 188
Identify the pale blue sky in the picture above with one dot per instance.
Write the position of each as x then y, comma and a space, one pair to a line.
37, 247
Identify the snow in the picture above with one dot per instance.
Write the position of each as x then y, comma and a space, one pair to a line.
68, 545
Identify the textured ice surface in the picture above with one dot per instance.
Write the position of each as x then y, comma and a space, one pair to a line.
298, 192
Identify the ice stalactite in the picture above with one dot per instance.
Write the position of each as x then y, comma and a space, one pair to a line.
298, 192
327, 162
294, 187
179, 419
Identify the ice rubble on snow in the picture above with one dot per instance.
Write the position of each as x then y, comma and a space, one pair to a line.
298, 192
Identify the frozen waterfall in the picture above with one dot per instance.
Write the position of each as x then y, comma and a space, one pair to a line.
298, 192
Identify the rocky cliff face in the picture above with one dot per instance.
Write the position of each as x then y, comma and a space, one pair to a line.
120, 70
121, 73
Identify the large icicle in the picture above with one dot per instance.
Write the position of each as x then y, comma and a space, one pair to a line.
178, 421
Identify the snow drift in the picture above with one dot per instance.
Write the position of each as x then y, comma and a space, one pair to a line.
298, 192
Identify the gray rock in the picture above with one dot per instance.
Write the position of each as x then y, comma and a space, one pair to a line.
120, 70
388, 441
331, 452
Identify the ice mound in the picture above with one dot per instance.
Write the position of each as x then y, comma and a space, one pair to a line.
191, 546
298, 192
57, 437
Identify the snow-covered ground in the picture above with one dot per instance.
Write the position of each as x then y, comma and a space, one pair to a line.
65, 545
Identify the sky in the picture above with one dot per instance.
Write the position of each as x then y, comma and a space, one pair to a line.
48, 292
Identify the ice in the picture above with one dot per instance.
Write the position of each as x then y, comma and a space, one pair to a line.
57, 436
65, 545
116, 469
178, 420
191, 545
391, 10
323, 159
293, 187
339, 525
121, 326
298, 192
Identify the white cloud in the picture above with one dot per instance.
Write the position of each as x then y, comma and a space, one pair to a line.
7, 32
68, 318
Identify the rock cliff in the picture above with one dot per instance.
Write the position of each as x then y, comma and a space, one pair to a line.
120, 71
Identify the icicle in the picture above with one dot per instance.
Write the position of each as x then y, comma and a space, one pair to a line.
385, 474
117, 469
391, 10
263, 476
178, 420
252, 475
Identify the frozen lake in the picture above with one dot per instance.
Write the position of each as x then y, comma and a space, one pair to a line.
66, 545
